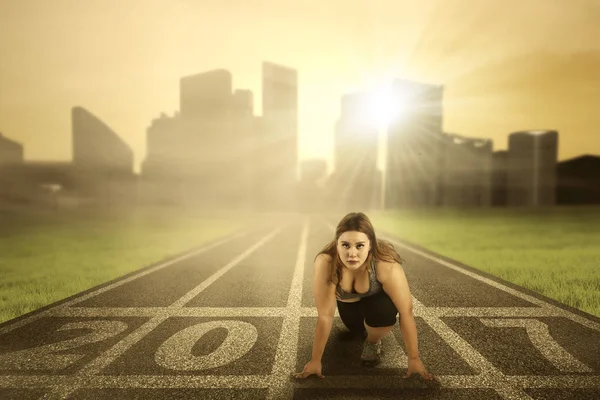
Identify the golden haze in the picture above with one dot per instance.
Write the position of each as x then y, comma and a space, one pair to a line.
507, 65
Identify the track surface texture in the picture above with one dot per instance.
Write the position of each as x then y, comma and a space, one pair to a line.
234, 318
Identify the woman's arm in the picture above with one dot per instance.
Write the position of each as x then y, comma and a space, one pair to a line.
324, 295
391, 276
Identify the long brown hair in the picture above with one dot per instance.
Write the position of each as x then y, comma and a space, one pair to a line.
381, 250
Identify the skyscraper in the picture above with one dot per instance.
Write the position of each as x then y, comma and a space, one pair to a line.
96, 147
11, 152
206, 95
279, 143
354, 183
532, 158
465, 173
413, 146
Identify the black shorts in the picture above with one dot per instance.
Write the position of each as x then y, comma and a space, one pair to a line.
377, 311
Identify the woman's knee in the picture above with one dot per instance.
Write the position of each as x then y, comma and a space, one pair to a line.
381, 312
381, 320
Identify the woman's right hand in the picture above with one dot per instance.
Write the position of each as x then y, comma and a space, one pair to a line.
311, 367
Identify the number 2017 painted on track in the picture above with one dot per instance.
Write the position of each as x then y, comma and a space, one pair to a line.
176, 352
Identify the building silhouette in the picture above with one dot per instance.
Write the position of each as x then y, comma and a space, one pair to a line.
277, 140
102, 160
206, 95
578, 180
96, 147
216, 152
202, 154
532, 158
414, 143
465, 171
101, 169
11, 158
355, 182
11, 152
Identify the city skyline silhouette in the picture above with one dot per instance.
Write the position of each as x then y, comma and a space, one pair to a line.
544, 78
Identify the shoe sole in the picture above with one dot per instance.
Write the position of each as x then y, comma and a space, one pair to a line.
372, 363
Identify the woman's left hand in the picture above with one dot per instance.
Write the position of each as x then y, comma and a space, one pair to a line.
416, 366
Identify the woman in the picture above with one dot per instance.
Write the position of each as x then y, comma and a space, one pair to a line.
365, 278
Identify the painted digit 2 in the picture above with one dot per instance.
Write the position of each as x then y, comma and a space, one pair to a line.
45, 357
175, 353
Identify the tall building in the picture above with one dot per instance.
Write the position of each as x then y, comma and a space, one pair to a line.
11, 158
11, 152
206, 95
465, 173
354, 183
413, 146
279, 139
203, 154
102, 161
532, 158
96, 147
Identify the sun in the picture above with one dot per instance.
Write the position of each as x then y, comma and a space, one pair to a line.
384, 105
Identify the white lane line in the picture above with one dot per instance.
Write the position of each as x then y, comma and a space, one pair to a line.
280, 386
87, 296
263, 381
98, 364
198, 289
476, 360
172, 312
484, 312
554, 310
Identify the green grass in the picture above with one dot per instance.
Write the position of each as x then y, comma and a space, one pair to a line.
46, 256
552, 251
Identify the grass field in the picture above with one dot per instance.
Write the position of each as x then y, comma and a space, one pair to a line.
46, 256
552, 251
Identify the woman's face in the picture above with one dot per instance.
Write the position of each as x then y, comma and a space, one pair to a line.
353, 248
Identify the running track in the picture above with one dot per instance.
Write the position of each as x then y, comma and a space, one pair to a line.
234, 318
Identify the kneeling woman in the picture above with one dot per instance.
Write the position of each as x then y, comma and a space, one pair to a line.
364, 277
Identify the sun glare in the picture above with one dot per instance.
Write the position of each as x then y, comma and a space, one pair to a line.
383, 105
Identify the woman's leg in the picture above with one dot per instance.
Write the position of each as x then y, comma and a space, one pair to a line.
380, 316
352, 315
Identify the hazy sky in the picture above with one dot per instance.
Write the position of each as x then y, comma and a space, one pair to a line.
122, 60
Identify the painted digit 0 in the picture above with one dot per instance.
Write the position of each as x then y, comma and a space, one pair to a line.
176, 352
